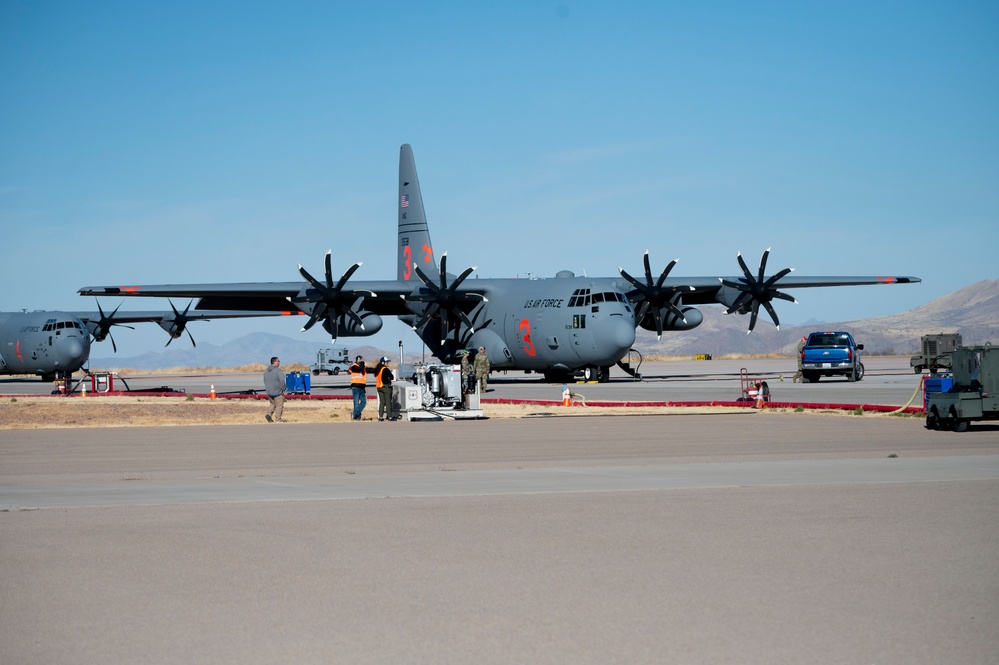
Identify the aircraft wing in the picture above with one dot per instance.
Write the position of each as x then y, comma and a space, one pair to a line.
250, 297
174, 321
708, 290
383, 297
158, 316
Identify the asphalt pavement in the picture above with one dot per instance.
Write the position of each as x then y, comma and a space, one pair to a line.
750, 537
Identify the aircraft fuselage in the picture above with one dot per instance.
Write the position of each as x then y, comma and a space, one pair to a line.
45, 343
562, 324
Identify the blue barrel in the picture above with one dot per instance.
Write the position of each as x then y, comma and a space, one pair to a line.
935, 384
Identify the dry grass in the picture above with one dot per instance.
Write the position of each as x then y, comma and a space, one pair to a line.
45, 412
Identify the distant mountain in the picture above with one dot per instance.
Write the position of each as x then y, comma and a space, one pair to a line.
973, 311
254, 348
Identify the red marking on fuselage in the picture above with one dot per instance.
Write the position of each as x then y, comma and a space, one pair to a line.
887, 280
525, 329
129, 289
407, 257
17, 350
427, 253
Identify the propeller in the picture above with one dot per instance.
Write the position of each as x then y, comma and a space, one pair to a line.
757, 290
655, 296
331, 301
444, 300
178, 324
102, 328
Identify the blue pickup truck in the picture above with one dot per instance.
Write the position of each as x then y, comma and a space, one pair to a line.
831, 354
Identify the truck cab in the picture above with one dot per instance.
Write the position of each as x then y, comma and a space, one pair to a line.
831, 353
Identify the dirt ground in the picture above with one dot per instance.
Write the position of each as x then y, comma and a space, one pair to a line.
125, 411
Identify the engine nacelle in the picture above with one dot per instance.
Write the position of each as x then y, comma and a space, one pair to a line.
173, 327
494, 345
670, 322
727, 296
348, 327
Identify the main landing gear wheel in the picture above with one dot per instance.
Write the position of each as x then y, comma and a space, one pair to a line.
598, 374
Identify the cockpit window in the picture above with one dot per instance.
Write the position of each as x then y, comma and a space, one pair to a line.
583, 298
580, 298
52, 324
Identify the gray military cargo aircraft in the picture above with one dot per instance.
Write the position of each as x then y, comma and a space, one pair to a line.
55, 344
558, 326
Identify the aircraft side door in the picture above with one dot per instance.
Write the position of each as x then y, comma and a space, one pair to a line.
546, 336
522, 329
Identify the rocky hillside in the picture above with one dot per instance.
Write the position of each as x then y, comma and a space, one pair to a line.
973, 311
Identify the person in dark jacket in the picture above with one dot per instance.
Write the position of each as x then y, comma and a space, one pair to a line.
274, 385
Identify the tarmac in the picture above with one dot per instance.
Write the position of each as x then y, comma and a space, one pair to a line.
698, 538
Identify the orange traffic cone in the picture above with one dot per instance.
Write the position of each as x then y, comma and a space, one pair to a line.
211, 393
566, 396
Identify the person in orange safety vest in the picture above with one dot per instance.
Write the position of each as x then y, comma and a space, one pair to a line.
383, 384
358, 384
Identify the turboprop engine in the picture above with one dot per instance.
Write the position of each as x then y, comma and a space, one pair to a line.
692, 317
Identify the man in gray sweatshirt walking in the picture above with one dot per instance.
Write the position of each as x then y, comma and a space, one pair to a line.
274, 384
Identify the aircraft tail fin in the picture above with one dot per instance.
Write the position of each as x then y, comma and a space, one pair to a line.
415, 248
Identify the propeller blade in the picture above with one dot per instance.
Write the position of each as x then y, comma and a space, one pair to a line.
631, 280
317, 313
428, 314
426, 280
658, 317
763, 264
745, 269
310, 279
773, 280
334, 327
772, 312
347, 275
444, 325
328, 264
665, 273
752, 317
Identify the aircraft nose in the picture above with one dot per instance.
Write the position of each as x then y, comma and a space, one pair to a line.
73, 352
617, 332
74, 348
623, 333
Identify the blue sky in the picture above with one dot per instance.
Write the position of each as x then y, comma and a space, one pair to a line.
210, 142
